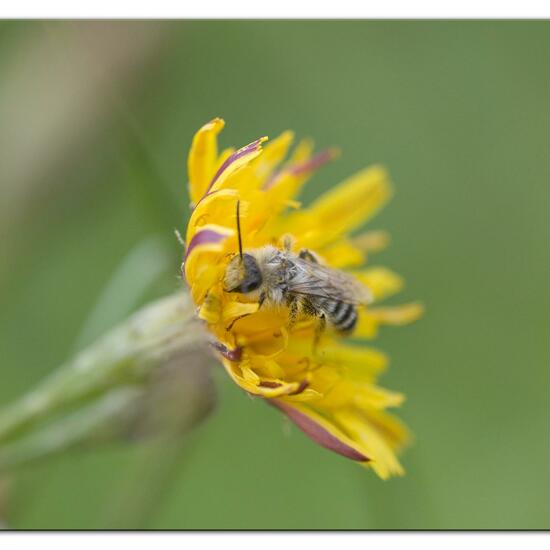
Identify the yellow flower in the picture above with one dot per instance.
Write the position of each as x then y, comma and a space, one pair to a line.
322, 381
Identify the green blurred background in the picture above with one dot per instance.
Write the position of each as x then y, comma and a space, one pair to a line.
97, 119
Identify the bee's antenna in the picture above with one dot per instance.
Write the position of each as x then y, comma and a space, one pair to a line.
239, 229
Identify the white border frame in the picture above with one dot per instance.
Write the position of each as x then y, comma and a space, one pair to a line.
278, 9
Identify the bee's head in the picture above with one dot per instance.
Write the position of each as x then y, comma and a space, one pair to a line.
242, 274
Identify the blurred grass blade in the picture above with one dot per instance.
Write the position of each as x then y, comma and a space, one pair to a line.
136, 272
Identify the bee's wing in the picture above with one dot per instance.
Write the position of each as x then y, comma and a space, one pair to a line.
313, 279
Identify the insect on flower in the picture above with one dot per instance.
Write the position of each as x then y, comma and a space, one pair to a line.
283, 291
276, 278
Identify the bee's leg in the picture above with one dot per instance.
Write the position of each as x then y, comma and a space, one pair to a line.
230, 326
261, 300
319, 330
305, 254
294, 310
294, 307
310, 309
288, 242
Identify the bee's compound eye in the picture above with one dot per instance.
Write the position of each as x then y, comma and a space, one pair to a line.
253, 276
249, 286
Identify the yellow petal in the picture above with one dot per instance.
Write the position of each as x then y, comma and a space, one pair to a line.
268, 369
203, 274
213, 208
397, 315
233, 310
249, 380
343, 254
342, 209
287, 183
273, 154
210, 238
211, 309
372, 241
362, 359
321, 429
224, 155
378, 437
302, 152
201, 162
370, 319
249, 375
235, 162
270, 347
381, 281
367, 326
374, 397
359, 362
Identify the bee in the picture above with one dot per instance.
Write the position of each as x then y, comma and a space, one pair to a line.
276, 278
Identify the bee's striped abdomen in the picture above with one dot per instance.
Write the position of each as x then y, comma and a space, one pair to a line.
341, 315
